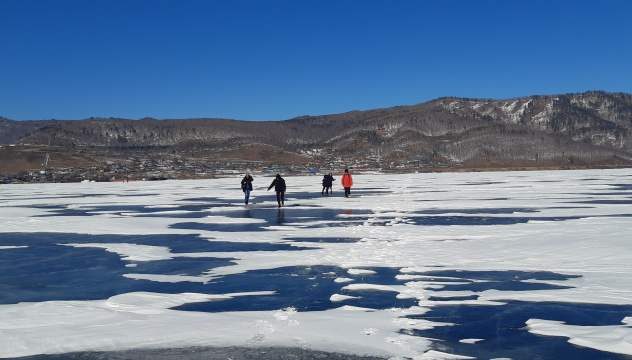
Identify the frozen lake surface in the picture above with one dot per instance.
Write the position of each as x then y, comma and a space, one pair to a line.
503, 265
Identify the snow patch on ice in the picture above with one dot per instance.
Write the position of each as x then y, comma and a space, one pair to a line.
613, 338
132, 252
339, 297
470, 341
360, 272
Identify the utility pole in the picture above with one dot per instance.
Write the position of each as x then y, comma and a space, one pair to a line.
45, 165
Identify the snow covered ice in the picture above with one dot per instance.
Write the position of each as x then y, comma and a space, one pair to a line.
513, 265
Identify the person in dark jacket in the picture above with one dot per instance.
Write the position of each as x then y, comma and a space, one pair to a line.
246, 186
279, 187
328, 182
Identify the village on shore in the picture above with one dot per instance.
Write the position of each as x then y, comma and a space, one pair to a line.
122, 173
154, 171
157, 167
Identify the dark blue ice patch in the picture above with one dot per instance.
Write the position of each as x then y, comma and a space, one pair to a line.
48, 197
195, 207
500, 275
504, 332
65, 273
478, 281
453, 298
238, 227
622, 187
548, 181
476, 183
53, 272
191, 210
304, 288
179, 266
606, 194
180, 243
324, 217
206, 200
274, 216
606, 201
46, 270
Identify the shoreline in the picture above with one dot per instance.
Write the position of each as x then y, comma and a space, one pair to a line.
206, 353
357, 171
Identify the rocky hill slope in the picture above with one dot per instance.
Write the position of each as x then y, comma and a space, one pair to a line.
593, 128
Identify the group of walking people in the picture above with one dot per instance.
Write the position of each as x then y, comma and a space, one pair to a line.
279, 186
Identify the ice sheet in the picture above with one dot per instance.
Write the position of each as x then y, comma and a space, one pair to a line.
485, 240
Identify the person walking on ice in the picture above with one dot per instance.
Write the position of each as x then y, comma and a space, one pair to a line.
246, 186
347, 183
328, 182
279, 187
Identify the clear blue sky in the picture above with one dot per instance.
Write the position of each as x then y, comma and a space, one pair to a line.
274, 60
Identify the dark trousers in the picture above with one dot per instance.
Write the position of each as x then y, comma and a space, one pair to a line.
347, 191
281, 197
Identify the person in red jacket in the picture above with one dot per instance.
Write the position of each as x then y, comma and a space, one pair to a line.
347, 183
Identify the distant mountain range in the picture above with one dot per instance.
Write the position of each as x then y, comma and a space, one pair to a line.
554, 130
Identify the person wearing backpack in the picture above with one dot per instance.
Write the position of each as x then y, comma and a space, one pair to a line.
246, 186
347, 183
279, 187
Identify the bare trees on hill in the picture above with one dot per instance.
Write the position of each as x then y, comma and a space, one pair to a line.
453, 130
